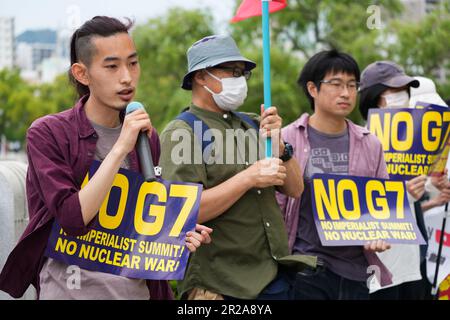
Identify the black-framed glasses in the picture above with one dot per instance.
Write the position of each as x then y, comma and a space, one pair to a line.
237, 72
338, 84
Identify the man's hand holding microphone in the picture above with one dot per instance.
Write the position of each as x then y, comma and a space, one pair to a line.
136, 131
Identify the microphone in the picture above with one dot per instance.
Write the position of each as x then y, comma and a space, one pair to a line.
143, 148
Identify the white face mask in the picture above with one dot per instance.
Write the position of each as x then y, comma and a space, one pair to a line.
397, 100
234, 92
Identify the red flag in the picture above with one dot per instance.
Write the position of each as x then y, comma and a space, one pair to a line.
253, 8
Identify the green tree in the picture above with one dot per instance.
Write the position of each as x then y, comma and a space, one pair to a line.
286, 94
307, 26
22, 103
423, 47
297, 32
162, 44
16, 99
56, 96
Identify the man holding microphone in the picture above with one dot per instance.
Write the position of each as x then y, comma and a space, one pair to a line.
61, 147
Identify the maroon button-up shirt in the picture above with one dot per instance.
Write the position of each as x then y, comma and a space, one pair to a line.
60, 149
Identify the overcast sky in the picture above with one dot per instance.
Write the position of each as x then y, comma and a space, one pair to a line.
61, 14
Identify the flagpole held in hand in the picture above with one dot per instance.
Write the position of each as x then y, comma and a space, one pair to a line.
252, 8
266, 59
435, 287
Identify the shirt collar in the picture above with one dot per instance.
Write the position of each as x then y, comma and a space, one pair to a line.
207, 113
355, 130
85, 128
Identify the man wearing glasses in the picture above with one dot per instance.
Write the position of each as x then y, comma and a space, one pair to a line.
327, 142
238, 198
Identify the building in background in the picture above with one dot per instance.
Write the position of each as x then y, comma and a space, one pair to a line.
42, 55
7, 44
59, 62
441, 74
34, 47
52, 67
430, 5
418, 10
415, 9
63, 43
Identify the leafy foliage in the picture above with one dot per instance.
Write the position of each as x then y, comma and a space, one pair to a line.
299, 31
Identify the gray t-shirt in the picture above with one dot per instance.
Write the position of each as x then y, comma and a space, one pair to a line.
329, 154
59, 281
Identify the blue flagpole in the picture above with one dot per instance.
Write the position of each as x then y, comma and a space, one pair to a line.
266, 59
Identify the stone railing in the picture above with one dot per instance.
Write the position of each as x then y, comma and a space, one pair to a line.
13, 212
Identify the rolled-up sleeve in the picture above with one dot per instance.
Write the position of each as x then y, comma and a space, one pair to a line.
52, 177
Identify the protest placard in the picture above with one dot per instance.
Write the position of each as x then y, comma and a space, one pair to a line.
351, 210
413, 139
139, 231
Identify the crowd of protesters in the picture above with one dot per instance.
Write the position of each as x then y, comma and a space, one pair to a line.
256, 237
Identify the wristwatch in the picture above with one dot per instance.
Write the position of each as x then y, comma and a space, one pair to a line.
288, 152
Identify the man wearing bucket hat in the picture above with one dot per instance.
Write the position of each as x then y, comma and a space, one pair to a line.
238, 200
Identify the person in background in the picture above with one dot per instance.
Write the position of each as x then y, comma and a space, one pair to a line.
426, 92
238, 199
384, 84
327, 142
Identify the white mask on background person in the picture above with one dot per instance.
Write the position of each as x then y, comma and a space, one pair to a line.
234, 92
397, 100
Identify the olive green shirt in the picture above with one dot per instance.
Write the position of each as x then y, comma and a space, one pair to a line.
250, 237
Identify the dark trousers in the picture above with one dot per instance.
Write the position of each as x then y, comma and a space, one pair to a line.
323, 284
281, 288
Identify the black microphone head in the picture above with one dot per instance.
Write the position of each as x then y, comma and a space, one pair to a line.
133, 106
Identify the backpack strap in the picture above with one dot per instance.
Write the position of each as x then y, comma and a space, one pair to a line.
245, 118
190, 119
